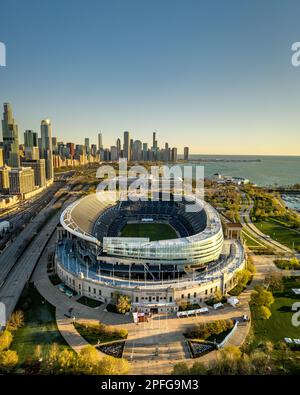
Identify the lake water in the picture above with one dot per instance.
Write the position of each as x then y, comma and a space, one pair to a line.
268, 171
292, 201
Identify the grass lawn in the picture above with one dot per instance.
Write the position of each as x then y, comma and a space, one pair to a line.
89, 302
252, 242
279, 325
40, 325
55, 280
93, 335
154, 231
280, 233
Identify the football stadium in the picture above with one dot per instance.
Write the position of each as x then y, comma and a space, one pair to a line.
157, 252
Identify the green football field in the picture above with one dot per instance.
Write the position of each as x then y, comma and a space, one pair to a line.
154, 231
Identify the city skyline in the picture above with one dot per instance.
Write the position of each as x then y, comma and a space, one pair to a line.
133, 149
219, 76
96, 140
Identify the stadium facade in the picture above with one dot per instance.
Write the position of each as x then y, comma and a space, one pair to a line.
95, 261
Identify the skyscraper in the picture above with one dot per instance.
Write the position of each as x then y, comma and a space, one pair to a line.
127, 145
166, 153
30, 138
93, 149
174, 154
10, 137
145, 151
87, 145
137, 150
154, 142
54, 144
113, 153
71, 149
186, 153
46, 147
118, 144
100, 146
1, 157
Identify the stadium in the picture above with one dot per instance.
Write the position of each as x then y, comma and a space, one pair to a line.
155, 251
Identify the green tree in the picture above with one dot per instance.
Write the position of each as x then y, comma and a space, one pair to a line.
284, 352
198, 369
51, 360
275, 282
250, 265
260, 361
8, 360
261, 297
264, 312
113, 366
244, 365
294, 262
88, 359
66, 359
218, 295
231, 352
16, 320
183, 304
181, 369
5, 340
123, 305
37, 355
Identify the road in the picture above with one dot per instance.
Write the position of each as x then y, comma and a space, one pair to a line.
25, 212
249, 226
16, 272
9, 256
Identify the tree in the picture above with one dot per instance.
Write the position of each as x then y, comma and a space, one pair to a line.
244, 365
183, 304
51, 358
88, 359
16, 320
218, 296
37, 355
231, 352
123, 305
5, 340
275, 282
260, 361
268, 347
264, 312
250, 265
241, 279
198, 369
113, 366
8, 360
261, 297
66, 359
294, 262
283, 352
181, 369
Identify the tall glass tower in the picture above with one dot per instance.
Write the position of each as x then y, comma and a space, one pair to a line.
46, 147
127, 146
100, 146
10, 138
30, 139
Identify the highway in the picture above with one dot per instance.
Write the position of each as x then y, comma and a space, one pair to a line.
25, 213
16, 273
9, 256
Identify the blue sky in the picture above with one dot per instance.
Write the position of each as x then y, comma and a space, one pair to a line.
214, 75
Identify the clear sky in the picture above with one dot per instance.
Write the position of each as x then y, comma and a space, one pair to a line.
214, 75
